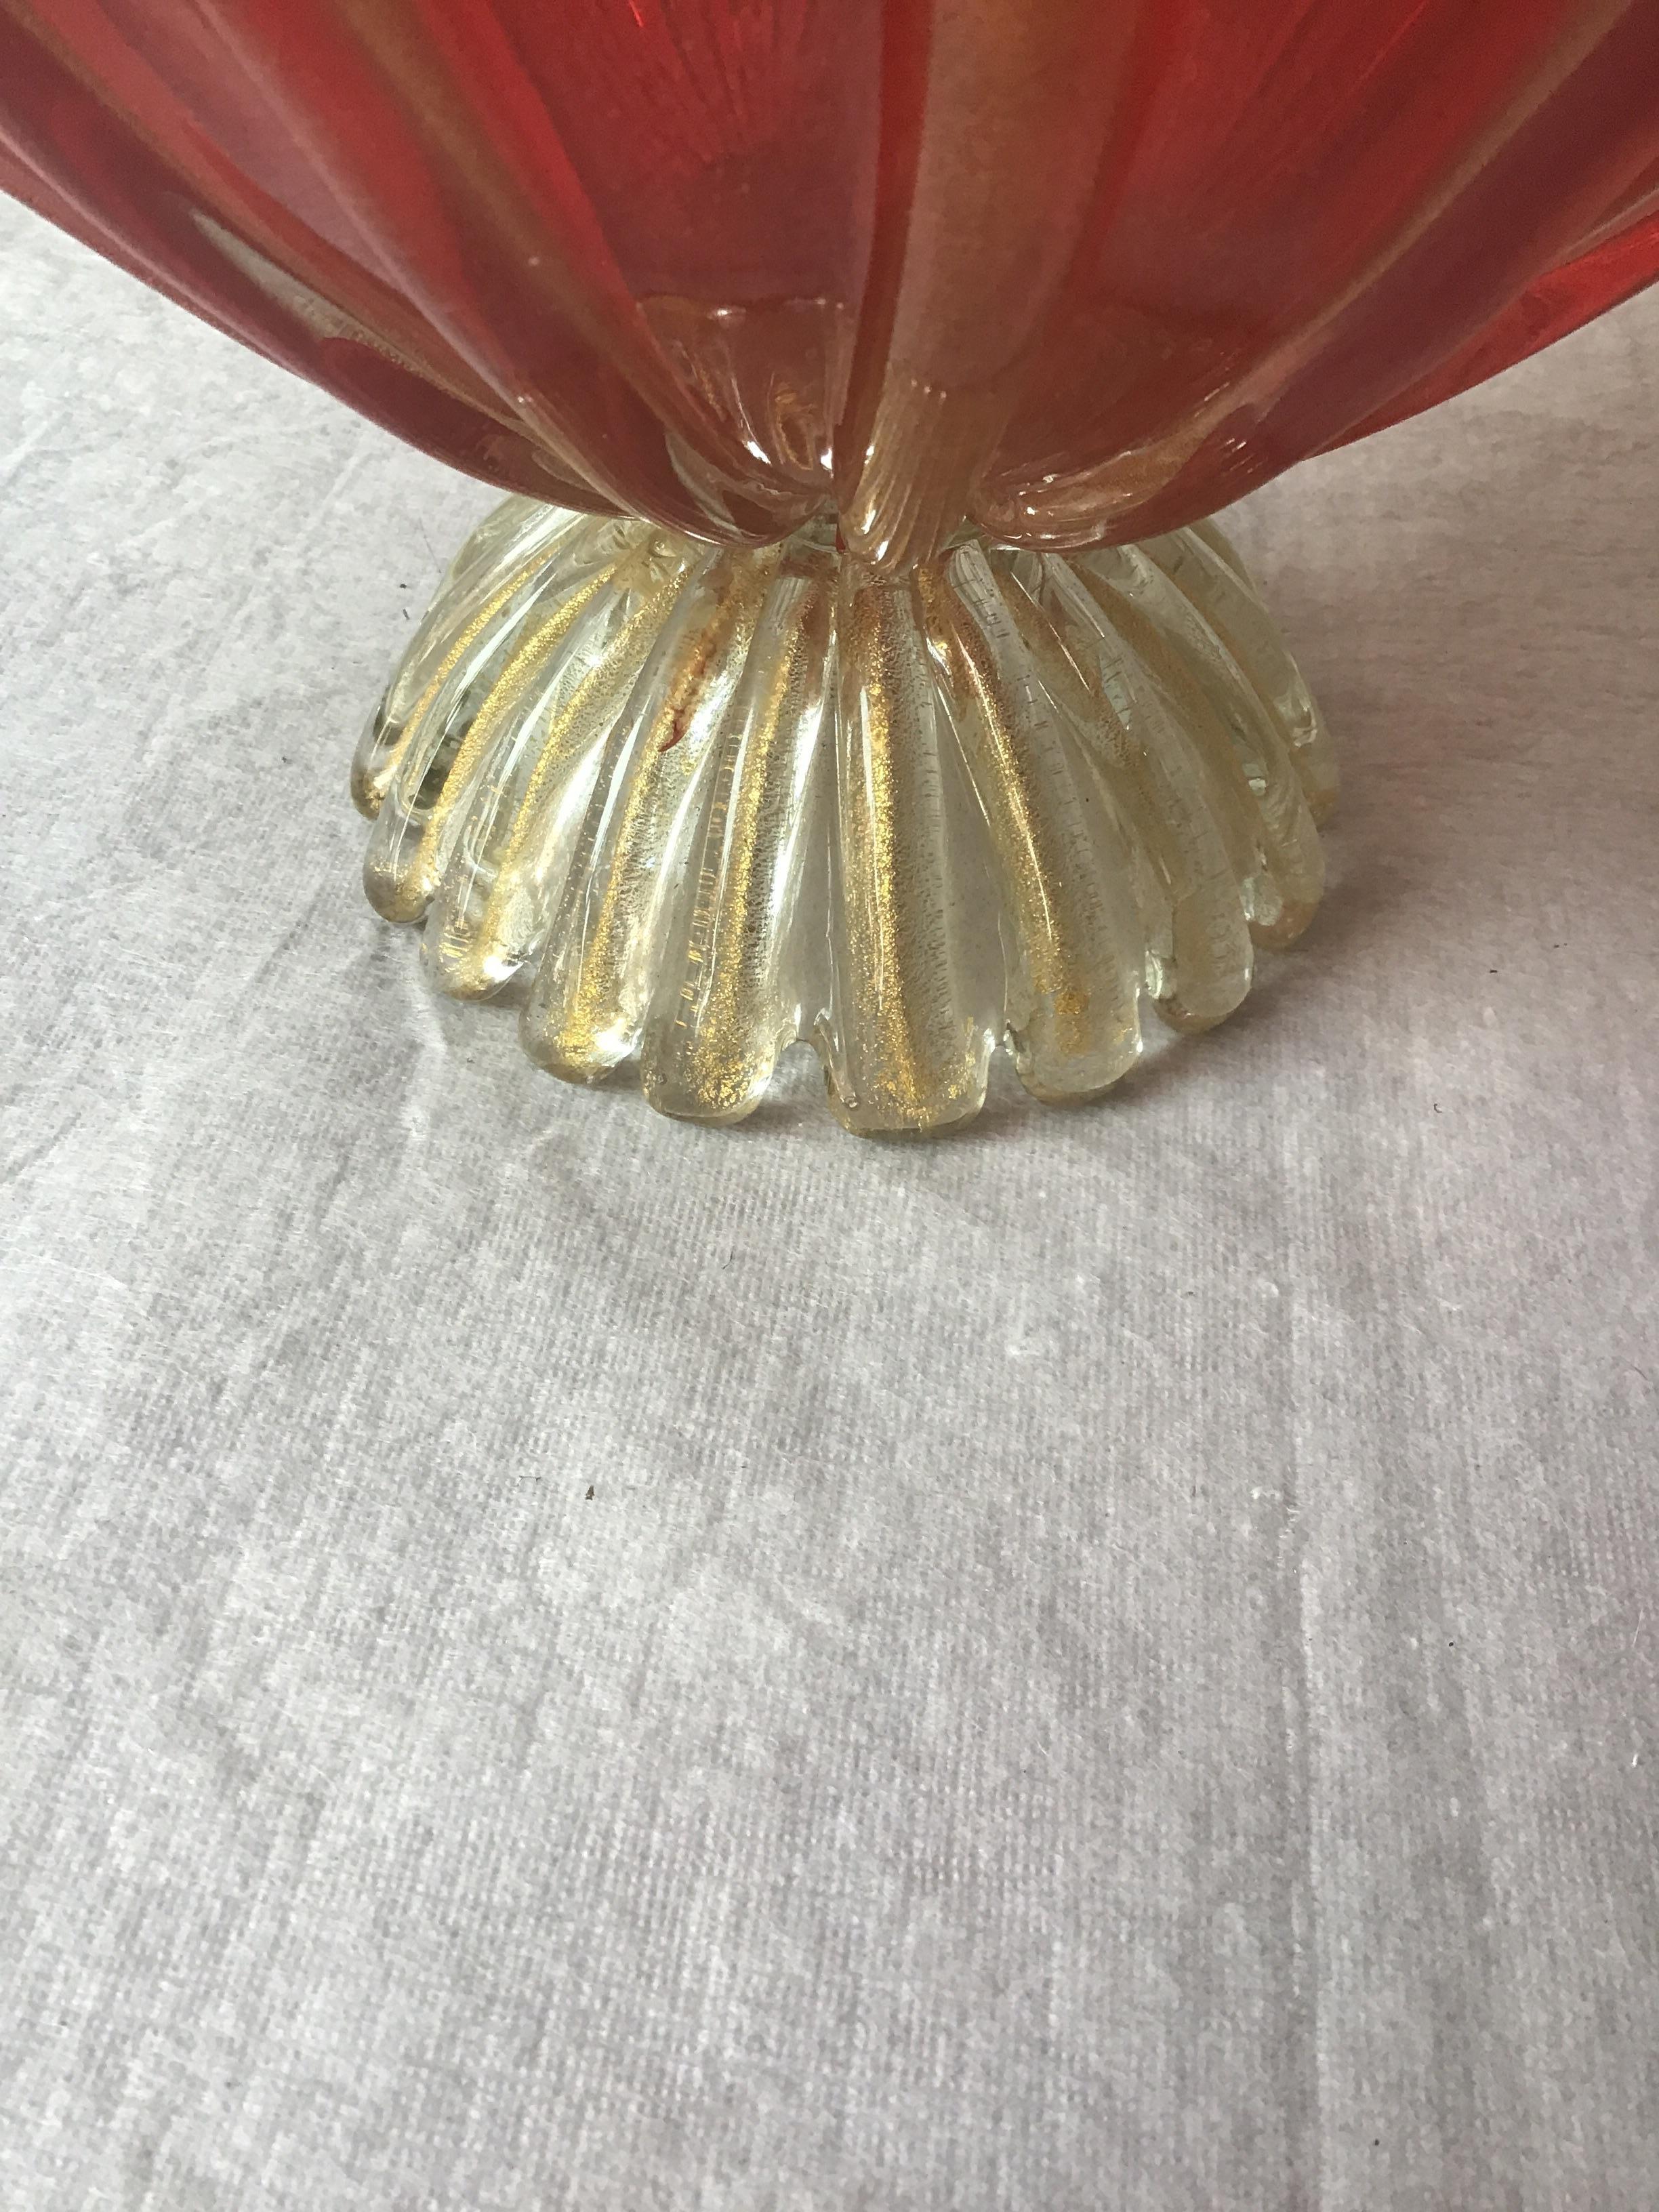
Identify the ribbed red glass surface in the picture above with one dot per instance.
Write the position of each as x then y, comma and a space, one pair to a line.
1079, 272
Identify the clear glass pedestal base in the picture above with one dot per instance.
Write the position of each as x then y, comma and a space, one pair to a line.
688, 805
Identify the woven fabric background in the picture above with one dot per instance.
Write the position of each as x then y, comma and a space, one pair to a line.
556, 1659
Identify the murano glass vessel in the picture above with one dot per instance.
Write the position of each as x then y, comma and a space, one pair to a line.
852, 659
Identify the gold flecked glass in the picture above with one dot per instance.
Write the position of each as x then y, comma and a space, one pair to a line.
689, 803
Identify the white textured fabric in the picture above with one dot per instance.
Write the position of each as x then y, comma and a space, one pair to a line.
1108, 1663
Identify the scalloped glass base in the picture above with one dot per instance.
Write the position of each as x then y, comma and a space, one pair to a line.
689, 804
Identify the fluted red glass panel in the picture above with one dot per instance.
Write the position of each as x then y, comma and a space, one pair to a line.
1078, 272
